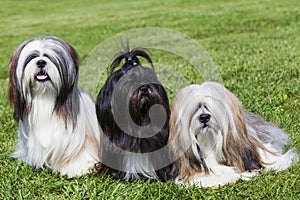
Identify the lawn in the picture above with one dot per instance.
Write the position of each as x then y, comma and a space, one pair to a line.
255, 46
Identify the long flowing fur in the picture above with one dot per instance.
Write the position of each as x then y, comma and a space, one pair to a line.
57, 123
137, 89
218, 142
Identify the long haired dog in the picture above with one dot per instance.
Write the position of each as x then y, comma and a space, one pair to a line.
133, 111
217, 143
57, 121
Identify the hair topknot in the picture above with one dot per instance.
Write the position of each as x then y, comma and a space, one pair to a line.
130, 58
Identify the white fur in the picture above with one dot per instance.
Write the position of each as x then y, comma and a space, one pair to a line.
225, 176
134, 167
45, 141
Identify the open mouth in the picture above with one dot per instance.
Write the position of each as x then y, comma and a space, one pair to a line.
42, 76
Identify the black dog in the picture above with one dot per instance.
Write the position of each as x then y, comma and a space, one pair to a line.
133, 111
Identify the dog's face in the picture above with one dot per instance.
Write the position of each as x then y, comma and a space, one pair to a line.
142, 100
38, 67
38, 73
202, 120
200, 110
46, 63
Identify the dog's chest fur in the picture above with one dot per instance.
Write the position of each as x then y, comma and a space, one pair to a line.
43, 133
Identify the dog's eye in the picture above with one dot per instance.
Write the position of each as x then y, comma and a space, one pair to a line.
54, 60
32, 56
47, 56
203, 105
206, 108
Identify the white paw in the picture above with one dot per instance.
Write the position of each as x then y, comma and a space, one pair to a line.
248, 175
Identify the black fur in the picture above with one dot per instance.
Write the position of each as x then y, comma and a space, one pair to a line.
15, 94
141, 98
251, 159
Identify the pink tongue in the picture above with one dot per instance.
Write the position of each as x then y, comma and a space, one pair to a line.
41, 77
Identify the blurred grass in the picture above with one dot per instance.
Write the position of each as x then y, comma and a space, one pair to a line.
255, 45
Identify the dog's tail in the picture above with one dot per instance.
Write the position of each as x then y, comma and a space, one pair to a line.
131, 58
278, 161
286, 160
274, 139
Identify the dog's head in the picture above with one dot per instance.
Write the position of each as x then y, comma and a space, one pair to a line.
206, 109
145, 96
43, 67
129, 94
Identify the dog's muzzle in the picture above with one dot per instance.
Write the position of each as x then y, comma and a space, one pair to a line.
42, 74
204, 119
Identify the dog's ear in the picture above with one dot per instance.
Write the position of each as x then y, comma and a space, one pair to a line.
180, 143
241, 148
67, 105
15, 93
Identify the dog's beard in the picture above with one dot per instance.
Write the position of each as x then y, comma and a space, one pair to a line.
40, 81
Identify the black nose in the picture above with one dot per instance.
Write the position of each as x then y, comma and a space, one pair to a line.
41, 63
204, 118
144, 90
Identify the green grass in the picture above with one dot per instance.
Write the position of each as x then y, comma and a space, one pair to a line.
255, 45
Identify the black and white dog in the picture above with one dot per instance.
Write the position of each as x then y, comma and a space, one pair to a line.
57, 121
